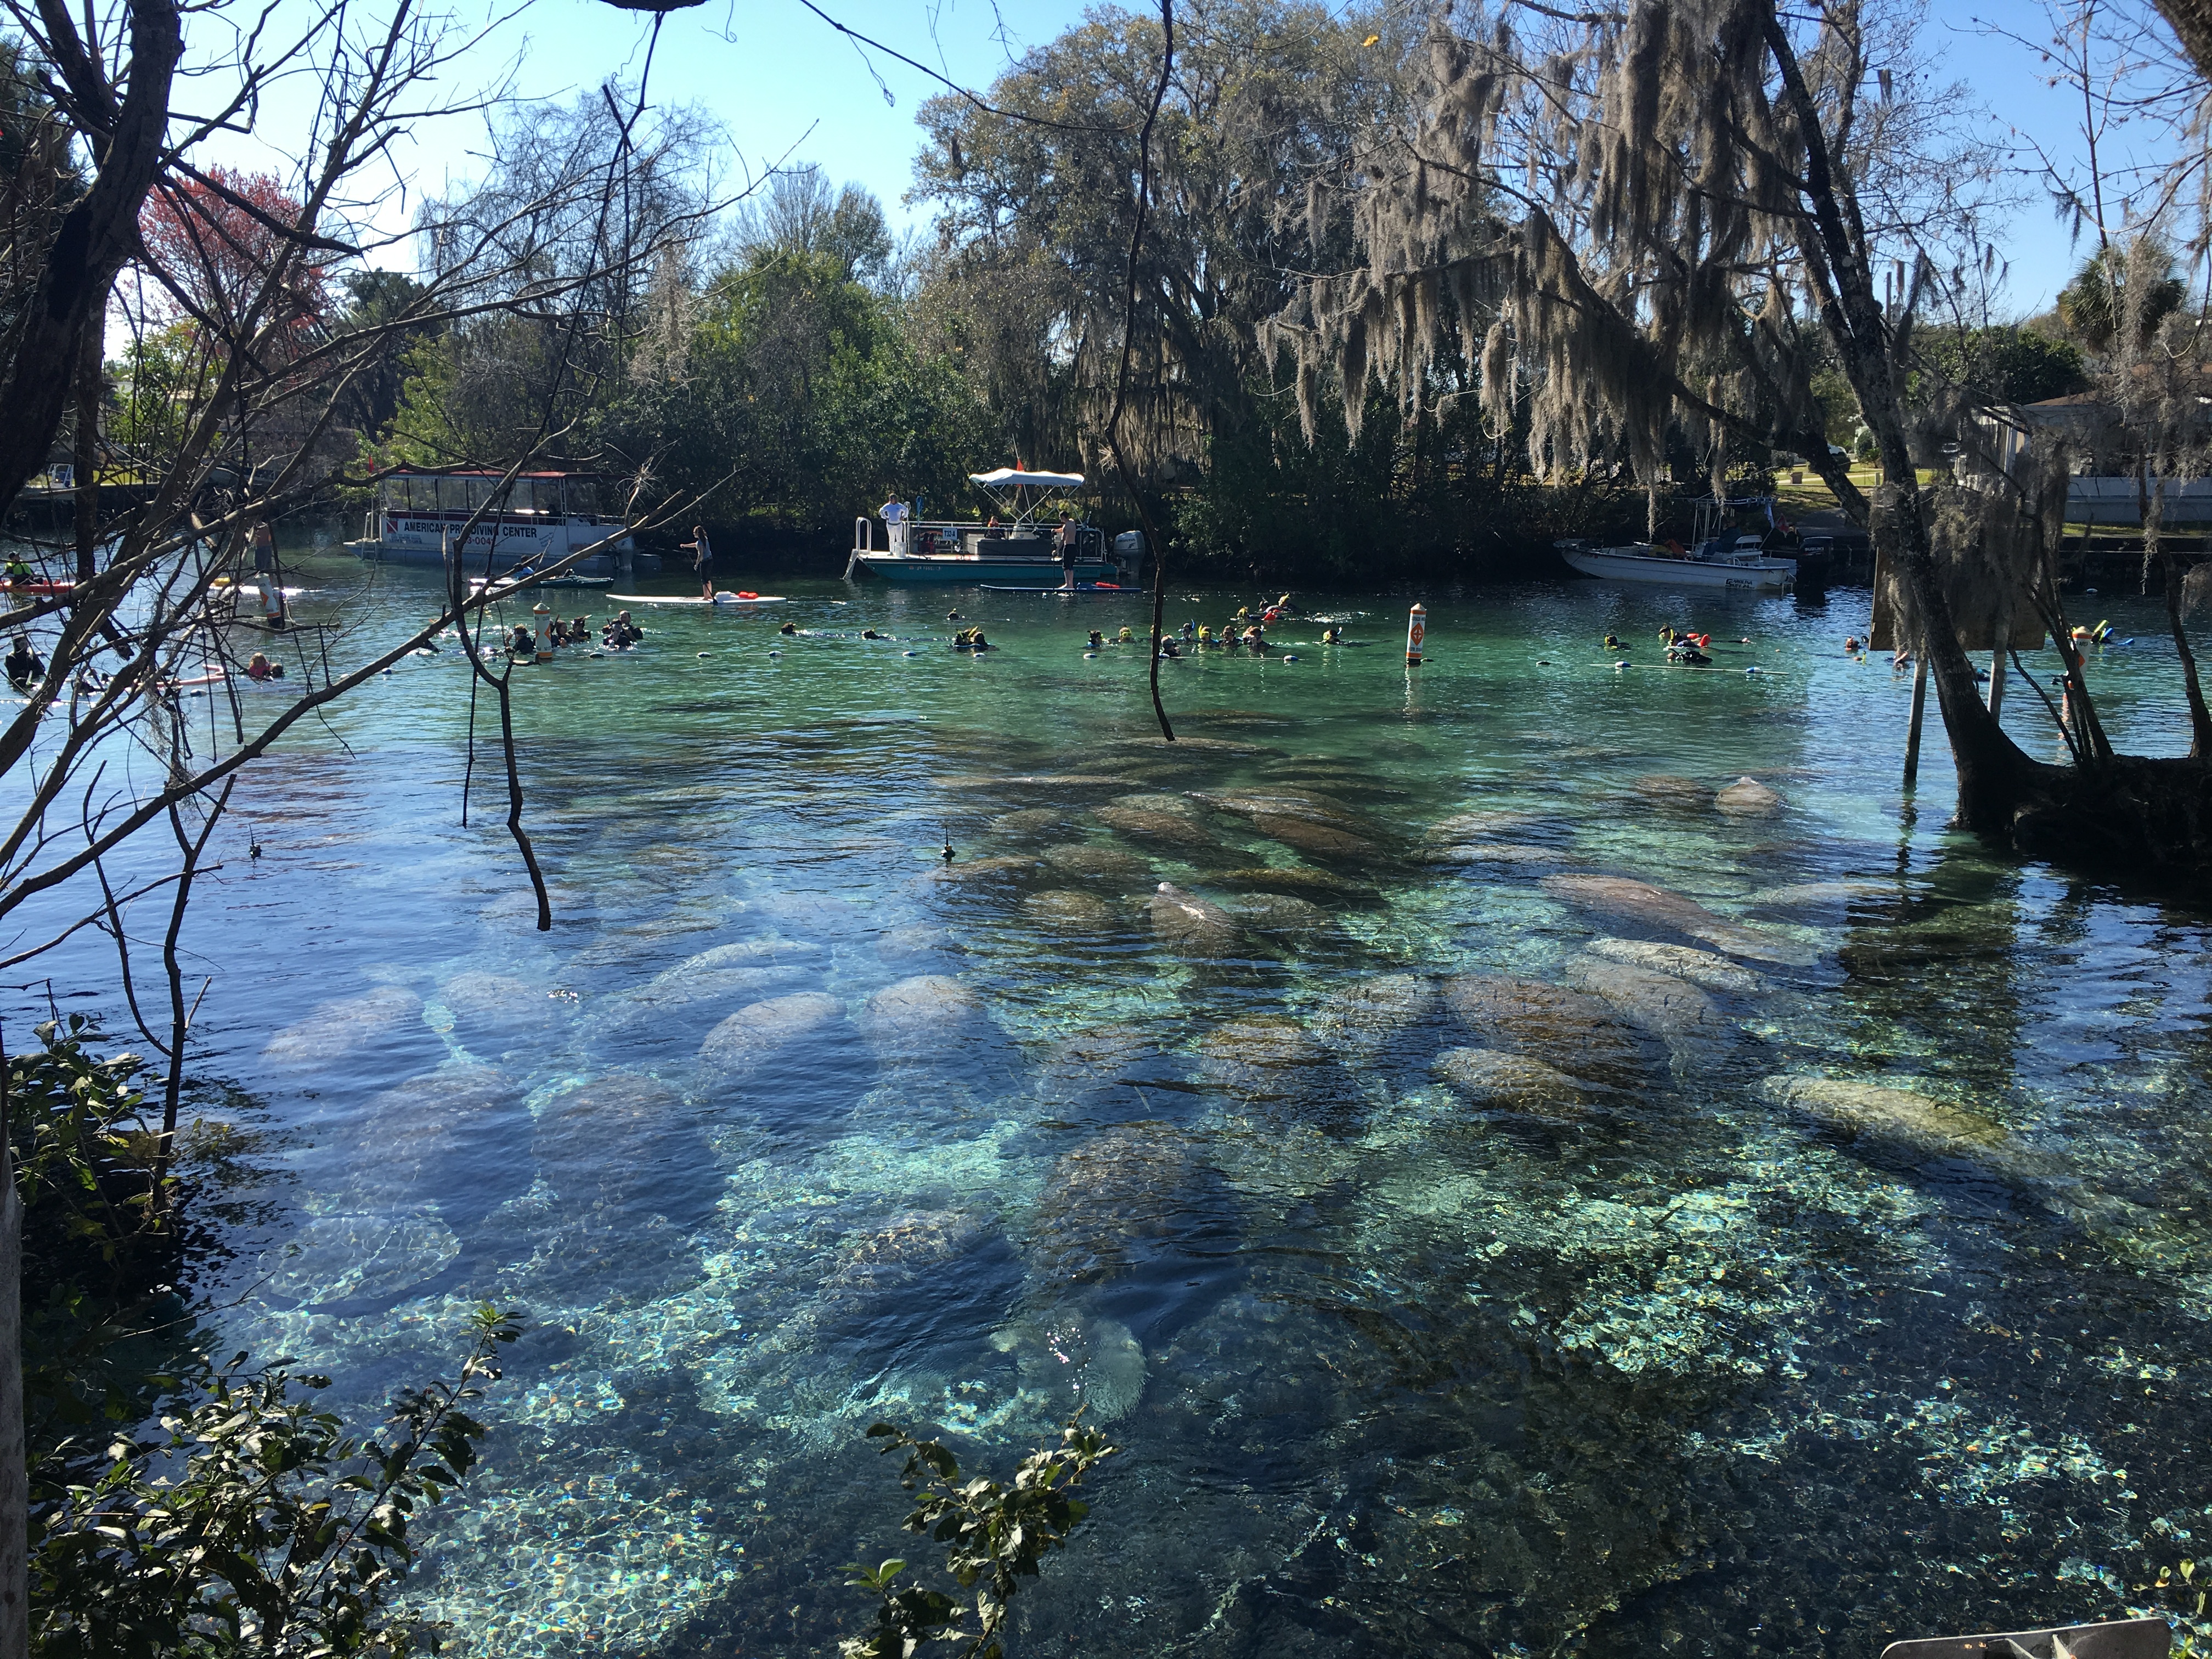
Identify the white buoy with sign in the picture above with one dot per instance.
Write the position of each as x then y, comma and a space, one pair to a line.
1417, 628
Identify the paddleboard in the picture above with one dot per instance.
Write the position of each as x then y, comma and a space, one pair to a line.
730, 599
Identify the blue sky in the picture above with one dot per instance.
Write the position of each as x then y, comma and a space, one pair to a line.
782, 83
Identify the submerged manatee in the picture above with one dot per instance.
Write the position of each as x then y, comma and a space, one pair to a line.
1715, 973
1374, 1014
627, 1142
1284, 916
1098, 1198
453, 1134
1266, 1059
496, 1001
358, 1258
1487, 1077
1077, 1360
1747, 798
1656, 907
1901, 1118
1565, 1028
1058, 910
1319, 840
341, 1026
1180, 830
1680, 1013
759, 1031
1192, 926
1096, 860
925, 1018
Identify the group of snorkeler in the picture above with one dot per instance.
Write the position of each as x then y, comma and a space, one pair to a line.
619, 634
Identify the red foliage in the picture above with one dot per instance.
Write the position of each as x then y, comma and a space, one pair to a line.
219, 254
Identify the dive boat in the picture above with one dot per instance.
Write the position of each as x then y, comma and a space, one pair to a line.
1718, 556
545, 517
1016, 552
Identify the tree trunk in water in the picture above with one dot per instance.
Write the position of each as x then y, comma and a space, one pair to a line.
2200, 721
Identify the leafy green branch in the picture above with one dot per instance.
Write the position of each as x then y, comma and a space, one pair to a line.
278, 1534
994, 1535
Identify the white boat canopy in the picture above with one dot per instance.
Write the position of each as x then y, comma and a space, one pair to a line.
1007, 477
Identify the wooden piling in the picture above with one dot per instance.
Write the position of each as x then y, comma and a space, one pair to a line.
1997, 681
1919, 710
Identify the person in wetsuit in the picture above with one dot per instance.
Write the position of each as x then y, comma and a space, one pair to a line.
26, 668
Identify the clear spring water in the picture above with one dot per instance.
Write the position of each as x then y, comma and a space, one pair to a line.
1665, 1357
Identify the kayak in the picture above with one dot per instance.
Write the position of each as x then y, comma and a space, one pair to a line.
740, 601
41, 589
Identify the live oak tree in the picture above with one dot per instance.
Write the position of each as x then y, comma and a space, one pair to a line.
1639, 218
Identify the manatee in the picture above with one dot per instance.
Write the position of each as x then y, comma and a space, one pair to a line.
1747, 798
1321, 839
1808, 894
449, 1133
1478, 826
691, 996
1669, 790
1639, 901
1177, 829
1284, 915
1097, 859
1715, 973
758, 1032
1569, 1030
629, 1142
1029, 821
913, 941
1061, 911
1304, 804
1376, 1014
1077, 1361
1677, 1011
1191, 926
749, 953
1001, 870
357, 1258
1119, 1186
1486, 1076
903, 1255
1900, 1118
1058, 781
1178, 806
496, 1000
921, 1017
1502, 852
340, 1027
1265, 1059
1285, 879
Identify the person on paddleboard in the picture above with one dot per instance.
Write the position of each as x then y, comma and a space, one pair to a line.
702, 558
1063, 542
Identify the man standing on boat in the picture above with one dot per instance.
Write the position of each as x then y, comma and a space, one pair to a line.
702, 557
1063, 542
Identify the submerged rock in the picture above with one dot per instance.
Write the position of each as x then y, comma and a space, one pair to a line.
1190, 926
1061, 911
1715, 973
341, 1026
1569, 1030
1488, 1076
758, 1032
1656, 907
1747, 798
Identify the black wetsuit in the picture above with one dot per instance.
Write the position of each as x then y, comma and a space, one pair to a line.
25, 668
